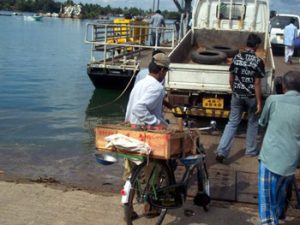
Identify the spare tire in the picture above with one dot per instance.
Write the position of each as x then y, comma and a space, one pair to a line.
210, 57
229, 51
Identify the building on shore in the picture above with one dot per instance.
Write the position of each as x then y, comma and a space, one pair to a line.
71, 11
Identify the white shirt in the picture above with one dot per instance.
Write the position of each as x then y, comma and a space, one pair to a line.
141, 75
290, 32
145, 103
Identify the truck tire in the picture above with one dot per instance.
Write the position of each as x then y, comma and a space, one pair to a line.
210, 57
229, 51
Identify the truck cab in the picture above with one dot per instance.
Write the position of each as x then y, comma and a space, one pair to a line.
277, 24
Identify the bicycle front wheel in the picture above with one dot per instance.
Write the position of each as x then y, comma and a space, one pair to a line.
146, 178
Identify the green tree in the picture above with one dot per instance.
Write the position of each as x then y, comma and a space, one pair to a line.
92, 11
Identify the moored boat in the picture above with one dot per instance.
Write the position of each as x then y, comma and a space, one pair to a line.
33, 17
120, 49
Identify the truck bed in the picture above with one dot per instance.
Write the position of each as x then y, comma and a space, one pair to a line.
186, 75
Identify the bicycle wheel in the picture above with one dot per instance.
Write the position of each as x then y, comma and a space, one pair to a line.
145, 179
203, 196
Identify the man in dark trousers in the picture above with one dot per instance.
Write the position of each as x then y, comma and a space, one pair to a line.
246, 72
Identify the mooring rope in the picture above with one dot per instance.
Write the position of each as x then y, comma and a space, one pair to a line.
117, 98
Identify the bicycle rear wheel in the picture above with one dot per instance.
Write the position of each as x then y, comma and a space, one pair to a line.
203, 196
145, 179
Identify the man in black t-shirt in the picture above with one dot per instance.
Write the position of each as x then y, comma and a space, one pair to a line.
246, 72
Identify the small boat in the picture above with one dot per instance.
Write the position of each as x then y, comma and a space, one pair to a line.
34, 17
5, 14
17, 14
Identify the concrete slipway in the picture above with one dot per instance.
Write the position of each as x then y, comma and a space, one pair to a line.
24, 203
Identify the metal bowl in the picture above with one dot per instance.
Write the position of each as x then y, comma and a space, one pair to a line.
105, 159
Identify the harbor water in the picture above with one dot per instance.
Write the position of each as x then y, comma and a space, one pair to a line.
48, 106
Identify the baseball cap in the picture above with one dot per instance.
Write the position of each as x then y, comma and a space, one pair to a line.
161, 59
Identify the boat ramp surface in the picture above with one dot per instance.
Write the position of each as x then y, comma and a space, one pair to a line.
39, 204
233, 181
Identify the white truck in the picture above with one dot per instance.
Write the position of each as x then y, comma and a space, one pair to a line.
203, 85
277, 24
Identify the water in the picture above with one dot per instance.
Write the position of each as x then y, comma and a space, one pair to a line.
48, 106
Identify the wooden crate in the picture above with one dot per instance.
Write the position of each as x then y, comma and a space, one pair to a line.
164, 144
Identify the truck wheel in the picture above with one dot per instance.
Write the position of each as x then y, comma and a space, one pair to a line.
210, 57
230, 52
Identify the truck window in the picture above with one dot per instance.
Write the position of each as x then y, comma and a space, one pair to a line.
237, 11
281, 21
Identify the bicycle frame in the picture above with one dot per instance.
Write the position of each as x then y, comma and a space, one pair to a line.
173, 196
153, 189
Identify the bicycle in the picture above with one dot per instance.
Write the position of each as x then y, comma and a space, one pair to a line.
152, 189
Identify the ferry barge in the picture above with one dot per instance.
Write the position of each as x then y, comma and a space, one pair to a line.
120, 49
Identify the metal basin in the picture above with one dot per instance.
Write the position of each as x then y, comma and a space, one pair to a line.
105, 159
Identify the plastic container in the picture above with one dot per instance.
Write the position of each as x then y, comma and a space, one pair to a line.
191, 160
125, 192
297, 42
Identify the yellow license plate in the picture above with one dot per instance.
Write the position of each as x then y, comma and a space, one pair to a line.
213, 103
280, 37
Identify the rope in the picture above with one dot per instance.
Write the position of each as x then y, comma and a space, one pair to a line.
117, 98
37, 121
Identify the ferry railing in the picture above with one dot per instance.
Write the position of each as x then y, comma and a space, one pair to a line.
121, 40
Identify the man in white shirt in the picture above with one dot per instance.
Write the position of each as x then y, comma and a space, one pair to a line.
145, 71
146, 98
145, 105
290, 33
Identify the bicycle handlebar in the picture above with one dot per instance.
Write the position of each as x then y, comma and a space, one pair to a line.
212, 127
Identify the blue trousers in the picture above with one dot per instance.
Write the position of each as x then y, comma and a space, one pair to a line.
238, 105
271, 195
153, 39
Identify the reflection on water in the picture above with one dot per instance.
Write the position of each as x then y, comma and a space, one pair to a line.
47, 102
103, 108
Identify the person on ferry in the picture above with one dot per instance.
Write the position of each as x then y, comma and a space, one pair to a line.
157, 21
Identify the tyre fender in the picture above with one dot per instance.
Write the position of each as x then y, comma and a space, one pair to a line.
210, 57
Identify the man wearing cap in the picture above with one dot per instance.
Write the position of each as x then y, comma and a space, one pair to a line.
146, 98
145, 107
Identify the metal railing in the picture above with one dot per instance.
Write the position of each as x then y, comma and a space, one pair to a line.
118, 40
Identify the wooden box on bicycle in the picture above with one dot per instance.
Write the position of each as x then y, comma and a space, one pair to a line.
164, 144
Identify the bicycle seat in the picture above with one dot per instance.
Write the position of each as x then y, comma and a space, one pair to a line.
191, 160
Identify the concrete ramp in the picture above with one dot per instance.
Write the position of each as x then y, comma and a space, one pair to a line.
235, 180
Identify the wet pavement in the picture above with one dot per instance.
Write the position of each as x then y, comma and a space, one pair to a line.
235, 180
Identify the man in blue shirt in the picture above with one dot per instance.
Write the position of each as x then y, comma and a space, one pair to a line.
157, 21
289, 34
280, 152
